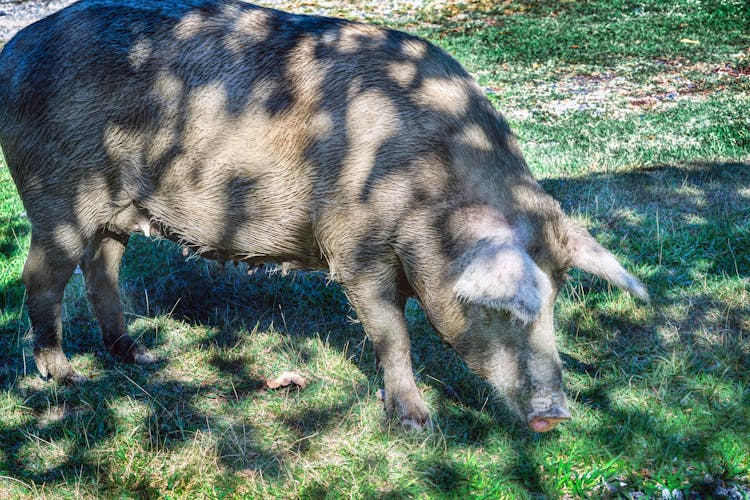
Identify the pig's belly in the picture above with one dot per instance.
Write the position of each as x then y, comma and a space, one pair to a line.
239, 230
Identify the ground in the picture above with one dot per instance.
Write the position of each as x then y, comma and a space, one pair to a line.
635, 115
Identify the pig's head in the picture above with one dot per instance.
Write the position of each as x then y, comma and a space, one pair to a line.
507, 272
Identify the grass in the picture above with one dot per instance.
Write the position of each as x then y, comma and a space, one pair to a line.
642, 135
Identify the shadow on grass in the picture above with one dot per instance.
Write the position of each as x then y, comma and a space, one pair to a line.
701, 234
13, 227
686, 229
136, 415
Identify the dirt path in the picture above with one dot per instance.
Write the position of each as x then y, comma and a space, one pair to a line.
15, 15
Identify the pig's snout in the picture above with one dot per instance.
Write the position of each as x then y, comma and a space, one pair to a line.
546, 424
547, 410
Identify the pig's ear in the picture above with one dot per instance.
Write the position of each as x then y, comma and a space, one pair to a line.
589, 256
504, 277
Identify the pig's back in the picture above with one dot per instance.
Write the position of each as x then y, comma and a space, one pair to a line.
236, 126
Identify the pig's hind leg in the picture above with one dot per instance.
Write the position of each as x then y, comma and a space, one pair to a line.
51, 261
101, 269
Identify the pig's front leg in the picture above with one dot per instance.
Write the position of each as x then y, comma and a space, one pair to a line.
375, 297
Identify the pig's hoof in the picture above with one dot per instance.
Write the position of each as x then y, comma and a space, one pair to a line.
411, 412
52, 363
141, 356
417, 422
74, 378
131, 352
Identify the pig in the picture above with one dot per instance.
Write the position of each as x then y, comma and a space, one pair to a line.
251, 134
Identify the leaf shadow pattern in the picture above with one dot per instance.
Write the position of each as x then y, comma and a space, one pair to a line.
172, 410
686, 228
175, 410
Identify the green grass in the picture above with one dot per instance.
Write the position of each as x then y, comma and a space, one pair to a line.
641, 136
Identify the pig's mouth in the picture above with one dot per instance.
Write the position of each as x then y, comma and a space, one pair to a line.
547, 413
545, 424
